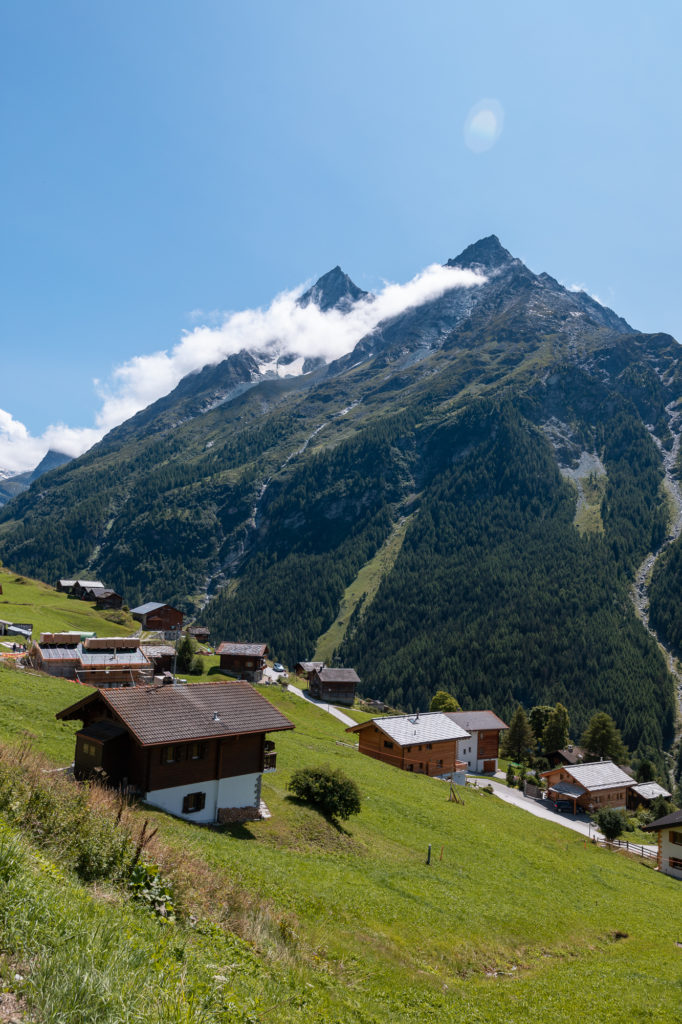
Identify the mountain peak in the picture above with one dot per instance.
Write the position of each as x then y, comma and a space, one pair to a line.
334, 290
487, 252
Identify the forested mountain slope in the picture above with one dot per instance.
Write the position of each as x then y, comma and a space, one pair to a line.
257, 501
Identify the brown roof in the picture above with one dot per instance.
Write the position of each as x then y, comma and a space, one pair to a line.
309, 666
338, 675
247, 650
175, 713
475, 721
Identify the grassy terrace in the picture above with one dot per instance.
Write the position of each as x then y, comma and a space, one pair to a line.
520, 921
26, 600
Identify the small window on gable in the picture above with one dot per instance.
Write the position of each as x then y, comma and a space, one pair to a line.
193, 802
676, 838
429, 746
389, 744
196, 751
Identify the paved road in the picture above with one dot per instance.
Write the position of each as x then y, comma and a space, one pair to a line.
516, 797
346, 719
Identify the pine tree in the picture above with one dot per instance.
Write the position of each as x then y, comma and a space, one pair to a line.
602, 738
555, 734
519, 740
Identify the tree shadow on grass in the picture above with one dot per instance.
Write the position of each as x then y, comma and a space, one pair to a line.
334, 822
239, 830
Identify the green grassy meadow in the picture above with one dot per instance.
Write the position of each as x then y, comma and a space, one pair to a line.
519, 921
26, 600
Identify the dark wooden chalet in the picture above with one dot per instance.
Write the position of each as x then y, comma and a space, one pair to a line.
305, 669
426, 744
161, 656
155, 616
106, 598
81, 589
197, 751
65, 586
334, 685
246, 661
201, 634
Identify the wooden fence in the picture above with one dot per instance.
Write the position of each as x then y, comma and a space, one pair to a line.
623, 844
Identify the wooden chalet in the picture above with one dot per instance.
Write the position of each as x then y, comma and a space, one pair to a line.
161, 617
668, 831
571, 754
642, 794
197, 752
246, 661
107, 661
305, 669
81, 589
426, 744
65, 586
201, 634
589, 787
334, 685
482, 748
160, 655
106, 598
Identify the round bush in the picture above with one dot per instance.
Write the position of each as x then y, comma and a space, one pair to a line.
327, 789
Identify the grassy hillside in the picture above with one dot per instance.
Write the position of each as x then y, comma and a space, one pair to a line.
518, 922
27, 600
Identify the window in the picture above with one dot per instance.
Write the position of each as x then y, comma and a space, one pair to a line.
409, 750
675, 863
676, 838
429, 746
388, 744
89, 749
196, 751
171, 753
193, 802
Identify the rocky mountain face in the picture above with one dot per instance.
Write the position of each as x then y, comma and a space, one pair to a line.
481, 477
13, 484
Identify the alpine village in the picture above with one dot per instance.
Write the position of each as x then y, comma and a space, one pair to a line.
349, 690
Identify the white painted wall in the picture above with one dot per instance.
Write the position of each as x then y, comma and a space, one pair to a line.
237, 791
668, 850
467, 750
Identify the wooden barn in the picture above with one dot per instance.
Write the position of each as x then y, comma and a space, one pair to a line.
245, 661
81, 589
160, 617
426, 744
305, 669
201, 634
334, 685
197, 752
106, 598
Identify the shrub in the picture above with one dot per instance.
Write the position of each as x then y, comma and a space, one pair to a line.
511, 777
610, 822
327, 789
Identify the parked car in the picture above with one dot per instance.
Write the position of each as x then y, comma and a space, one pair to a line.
278, 668
563, 805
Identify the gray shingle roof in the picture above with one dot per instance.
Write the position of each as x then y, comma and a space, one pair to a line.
410, 729
477, 721
668, 819
338, 675
89, 584
650, 790
567, 789
176, 713
599, 775
247, 650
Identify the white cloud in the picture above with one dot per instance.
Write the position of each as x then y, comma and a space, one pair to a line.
583, 288
284, 326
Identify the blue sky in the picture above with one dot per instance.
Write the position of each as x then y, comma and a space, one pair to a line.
163, 161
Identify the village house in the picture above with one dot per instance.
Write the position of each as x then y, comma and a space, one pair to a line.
162, 656
98, 661
246, 661
426, 744
571, 754
81, 588
668, 830
305, 669
334, 685
197, 752
642, 794
589, 787
106, 598
482, 748
162, 618
65, 586
201, 634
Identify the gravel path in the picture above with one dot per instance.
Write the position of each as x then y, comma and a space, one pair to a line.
336, 712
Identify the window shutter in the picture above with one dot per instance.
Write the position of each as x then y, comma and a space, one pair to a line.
186, 804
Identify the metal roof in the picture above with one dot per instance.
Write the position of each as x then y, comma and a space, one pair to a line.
247, 650
175, 713
477, 721
89, 584
144, 609
59, 653
113, 658
410, 729
650, 790
598, 775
